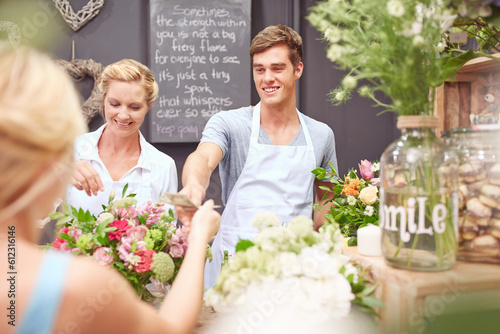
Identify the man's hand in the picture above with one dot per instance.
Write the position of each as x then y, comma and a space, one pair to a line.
86, 178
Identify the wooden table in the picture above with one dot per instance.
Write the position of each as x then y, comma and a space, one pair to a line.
206, 320
411, 296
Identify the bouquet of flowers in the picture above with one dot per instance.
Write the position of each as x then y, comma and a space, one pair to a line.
140, 242
306, 266
355, 200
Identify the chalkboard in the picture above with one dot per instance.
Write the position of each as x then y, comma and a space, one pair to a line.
199, 57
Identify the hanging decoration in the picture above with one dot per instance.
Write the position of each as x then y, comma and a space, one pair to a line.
13, 32
79, 69
80, 18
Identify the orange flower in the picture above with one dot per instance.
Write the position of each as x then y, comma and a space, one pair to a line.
351, 187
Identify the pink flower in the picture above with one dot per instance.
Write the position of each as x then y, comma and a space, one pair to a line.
375, 181
126, 246
74, 232
60, 241
365, 169
103, 256
121, 227
62, 244
126, 213
146, 260
151, 212
176, 250
137, 232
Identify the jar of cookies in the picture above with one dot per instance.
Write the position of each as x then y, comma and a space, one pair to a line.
479, 193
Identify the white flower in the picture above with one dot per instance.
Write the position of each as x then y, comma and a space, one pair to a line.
264, 220
105, 216
333, 34
351, 270
301, 226
375, 167
395, 8
351, 200
418, 41
369, 210
349, 82
287, 265
440, 47
334, 52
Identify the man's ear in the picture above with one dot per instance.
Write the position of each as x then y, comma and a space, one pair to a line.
298, 70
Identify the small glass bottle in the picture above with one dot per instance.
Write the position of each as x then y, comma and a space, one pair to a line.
418, 198
479, 193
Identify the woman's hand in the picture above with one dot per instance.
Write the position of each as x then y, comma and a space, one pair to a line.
86, 178
205, 223
196, 193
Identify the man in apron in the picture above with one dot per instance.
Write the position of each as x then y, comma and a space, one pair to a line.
265, 153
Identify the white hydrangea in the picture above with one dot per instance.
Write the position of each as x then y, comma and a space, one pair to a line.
264, 220
351, 200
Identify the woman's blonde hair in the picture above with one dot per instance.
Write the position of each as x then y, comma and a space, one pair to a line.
130, 70
40, 117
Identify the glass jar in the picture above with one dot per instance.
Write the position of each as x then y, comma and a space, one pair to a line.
479, 193
419, 198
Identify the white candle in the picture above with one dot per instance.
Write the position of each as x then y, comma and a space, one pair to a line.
370, 240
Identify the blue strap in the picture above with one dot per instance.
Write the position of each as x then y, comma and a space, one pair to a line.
45, 300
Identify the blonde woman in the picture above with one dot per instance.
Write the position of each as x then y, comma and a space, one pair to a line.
50, 292
117, 154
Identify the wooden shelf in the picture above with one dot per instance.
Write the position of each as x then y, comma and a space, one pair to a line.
457, 100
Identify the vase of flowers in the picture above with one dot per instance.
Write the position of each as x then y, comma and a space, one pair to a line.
400, 49
141, 242
355, 200
303, 266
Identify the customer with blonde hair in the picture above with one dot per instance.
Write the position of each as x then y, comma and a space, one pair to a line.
51, 292
117, 154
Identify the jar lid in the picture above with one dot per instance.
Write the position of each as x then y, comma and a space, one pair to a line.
417, 121
469, 131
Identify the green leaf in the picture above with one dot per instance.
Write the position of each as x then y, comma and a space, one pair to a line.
56, 215
324, 188
353, 241
243, 245
124, 190
372, 302
320, 173
369, 290
451, 64
332, 166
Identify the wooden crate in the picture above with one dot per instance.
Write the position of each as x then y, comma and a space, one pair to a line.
457, 100
413, 297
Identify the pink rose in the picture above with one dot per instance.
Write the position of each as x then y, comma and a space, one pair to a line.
137, 232
176, 250
103, 256
365, 168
